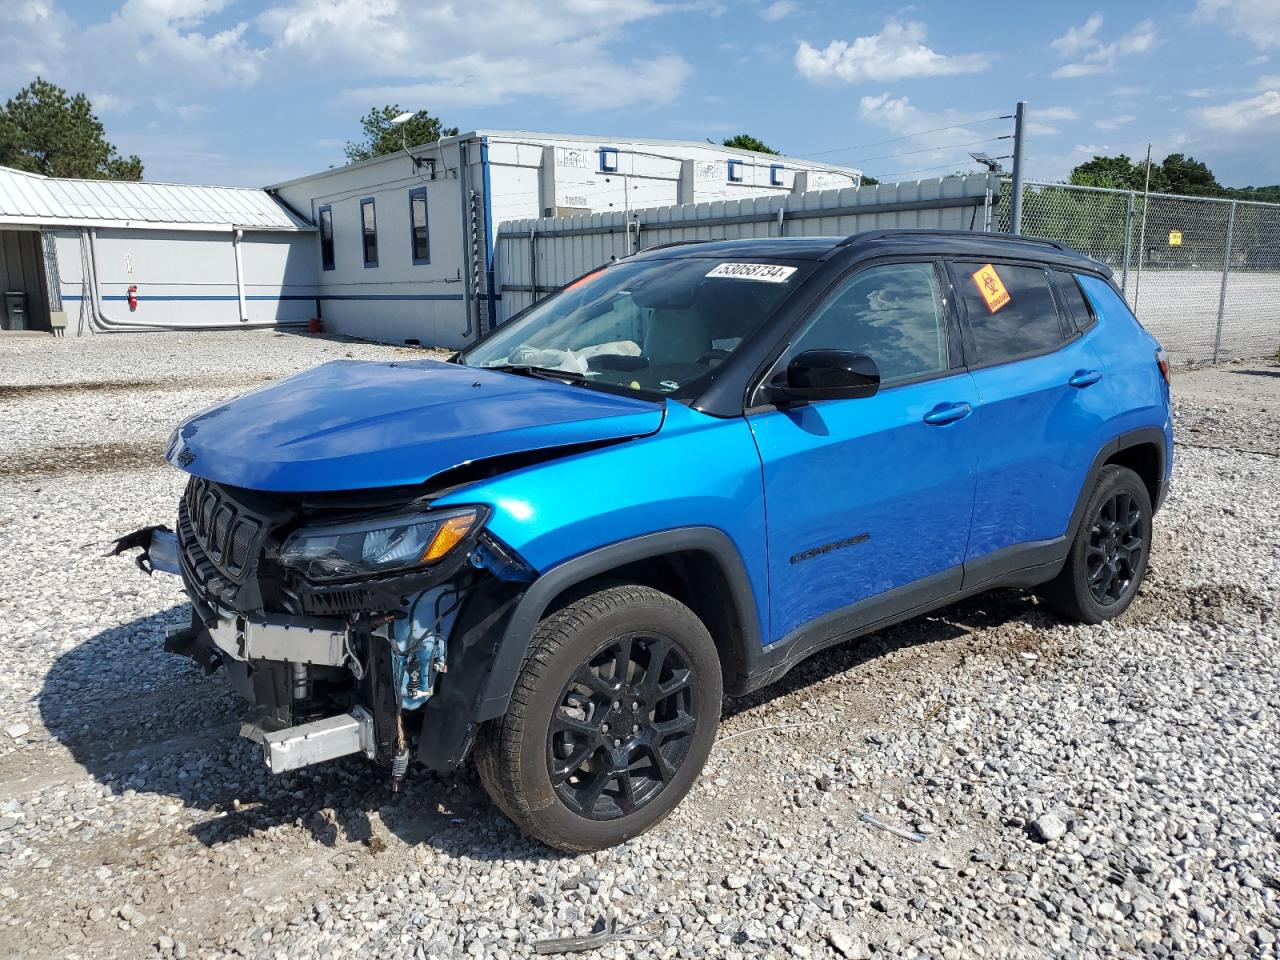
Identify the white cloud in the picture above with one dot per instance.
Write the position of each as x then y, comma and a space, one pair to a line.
1078, 38
1056, 113
1102, 57
779, 10
481, 52
1199, 93
897, 52
1041, 120
1269, 82
143, 46
104, 102
1256, 20
1240, 115
1115, 123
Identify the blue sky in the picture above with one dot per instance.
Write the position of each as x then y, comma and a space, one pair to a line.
220, 91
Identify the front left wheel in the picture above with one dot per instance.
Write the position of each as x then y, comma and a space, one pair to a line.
611, 720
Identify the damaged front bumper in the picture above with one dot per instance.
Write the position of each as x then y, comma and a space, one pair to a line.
365, 682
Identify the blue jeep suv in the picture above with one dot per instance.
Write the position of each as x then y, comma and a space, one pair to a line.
675, 478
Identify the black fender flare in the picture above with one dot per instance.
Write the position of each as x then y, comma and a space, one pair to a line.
510, 653
1132, 438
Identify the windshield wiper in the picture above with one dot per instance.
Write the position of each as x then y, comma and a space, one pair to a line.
542, 373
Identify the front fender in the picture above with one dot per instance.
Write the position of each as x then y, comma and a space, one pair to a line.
531, 607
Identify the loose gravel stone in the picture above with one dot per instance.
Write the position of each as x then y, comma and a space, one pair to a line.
1048, 828
135, 822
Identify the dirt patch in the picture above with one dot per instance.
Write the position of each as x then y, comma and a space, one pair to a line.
83, 458
30, 391
1162, 602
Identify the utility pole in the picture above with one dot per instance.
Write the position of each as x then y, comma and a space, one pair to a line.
1019, 133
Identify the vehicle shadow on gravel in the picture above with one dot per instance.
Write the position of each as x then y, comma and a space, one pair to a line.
141, 720
138, 719
1011, 619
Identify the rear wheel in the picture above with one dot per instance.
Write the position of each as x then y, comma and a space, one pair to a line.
612, 718
1108, 557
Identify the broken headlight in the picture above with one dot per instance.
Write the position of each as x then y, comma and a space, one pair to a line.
377, 546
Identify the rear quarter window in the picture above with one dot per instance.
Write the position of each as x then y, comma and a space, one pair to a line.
1013, 316
1073, 299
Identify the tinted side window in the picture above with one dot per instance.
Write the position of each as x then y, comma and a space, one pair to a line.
1011, 311
893, 313
1074, 300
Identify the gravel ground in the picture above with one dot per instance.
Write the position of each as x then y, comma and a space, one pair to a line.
1082, 792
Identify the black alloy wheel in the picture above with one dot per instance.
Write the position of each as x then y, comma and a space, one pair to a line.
1109, 551
623, 726
1116, 548
612, 718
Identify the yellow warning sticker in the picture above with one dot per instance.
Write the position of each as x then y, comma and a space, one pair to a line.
1175, 238
991, 287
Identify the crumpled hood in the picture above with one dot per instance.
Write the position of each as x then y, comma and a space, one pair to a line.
352, 425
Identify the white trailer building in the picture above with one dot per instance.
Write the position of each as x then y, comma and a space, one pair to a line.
407, 240
397, 248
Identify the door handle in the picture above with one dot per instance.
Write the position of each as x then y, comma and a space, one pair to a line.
947, 413
1083, 378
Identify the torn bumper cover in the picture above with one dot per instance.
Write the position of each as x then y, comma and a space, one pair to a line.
159, 547
368, 677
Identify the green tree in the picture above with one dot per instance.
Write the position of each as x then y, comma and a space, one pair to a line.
1118, 173
45, 130
745, 141
381, 137
1187, 175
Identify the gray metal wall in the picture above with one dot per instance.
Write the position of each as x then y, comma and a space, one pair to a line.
22, 268
537, 257
188, 278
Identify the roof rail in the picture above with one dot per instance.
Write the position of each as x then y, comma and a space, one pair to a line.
938, 232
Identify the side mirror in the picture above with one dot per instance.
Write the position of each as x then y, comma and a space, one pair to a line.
830, 375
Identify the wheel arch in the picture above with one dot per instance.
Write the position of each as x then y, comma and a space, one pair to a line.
700, 566
1141, 450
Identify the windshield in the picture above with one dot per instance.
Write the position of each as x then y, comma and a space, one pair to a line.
651, 325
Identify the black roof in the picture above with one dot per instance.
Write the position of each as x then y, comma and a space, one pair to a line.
868, 243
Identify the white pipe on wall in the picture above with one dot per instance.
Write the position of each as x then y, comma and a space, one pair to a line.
235, 244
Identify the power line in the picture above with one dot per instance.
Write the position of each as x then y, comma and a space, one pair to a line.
885, 178
909, 136
945, 146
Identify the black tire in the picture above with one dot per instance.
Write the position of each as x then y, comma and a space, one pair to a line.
609, 721
1109, 554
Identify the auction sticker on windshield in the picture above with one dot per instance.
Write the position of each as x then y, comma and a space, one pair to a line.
764, 272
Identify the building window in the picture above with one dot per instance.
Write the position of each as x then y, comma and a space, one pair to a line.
608, 159
735, 171
775, 174
369, 232
326, 238
419, 240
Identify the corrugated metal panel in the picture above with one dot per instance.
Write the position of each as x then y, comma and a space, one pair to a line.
49, 201
535, 257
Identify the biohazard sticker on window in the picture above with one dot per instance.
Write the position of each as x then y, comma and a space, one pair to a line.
991, 287
764, 272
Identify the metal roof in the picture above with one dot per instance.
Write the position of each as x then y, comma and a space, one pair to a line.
30, 199
534, 138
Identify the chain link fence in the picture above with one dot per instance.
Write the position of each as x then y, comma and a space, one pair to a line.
1202, 274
